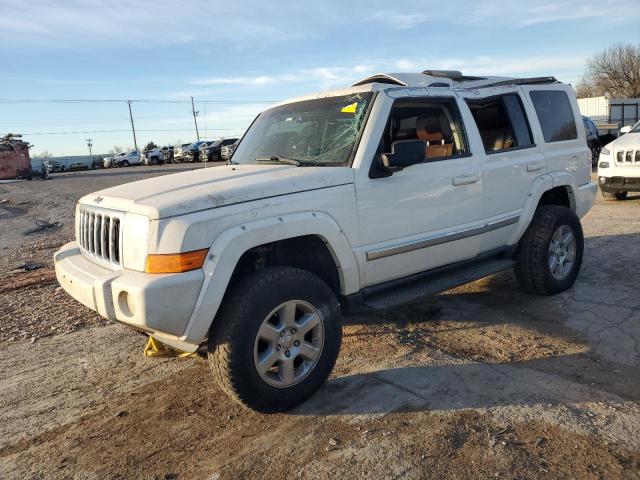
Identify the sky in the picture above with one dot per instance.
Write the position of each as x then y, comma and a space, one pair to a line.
235, 58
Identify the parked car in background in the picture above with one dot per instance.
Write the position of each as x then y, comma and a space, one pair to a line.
53, 166
619, 165
77, 166
214, 151
127, 159
227, 151
97, 163
192, 152
204, 148
108, 162
158, 155
178, 152
593, 139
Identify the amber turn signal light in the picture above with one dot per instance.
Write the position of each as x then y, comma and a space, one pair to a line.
175, 262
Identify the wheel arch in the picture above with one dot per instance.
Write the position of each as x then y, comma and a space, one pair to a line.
231, 249
551, 189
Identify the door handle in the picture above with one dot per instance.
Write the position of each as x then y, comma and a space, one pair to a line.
466, 179
534, 167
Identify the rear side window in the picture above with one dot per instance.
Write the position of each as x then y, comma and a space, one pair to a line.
555, 115
502, 123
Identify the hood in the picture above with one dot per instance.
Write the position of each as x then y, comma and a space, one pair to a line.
626, 141
204, 189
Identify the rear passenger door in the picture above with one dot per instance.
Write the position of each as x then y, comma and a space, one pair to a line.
558, 125
512, 160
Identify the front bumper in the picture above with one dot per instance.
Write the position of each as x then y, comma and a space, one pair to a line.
619, 184
159, 304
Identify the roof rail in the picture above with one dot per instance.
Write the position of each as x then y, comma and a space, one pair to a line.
452, 74
520, 81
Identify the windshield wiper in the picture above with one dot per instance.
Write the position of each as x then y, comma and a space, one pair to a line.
277, 159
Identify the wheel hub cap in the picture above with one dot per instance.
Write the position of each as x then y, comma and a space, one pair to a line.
289, 343
562, 252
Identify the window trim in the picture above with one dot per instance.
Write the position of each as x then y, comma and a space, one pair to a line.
374, 165
500, 97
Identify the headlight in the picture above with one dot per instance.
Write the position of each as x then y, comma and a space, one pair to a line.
603, 165
605, 151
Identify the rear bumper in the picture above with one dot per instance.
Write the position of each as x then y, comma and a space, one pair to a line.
159, 304
619, 184
585, 196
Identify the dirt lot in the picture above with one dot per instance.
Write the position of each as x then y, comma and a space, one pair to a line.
482, 381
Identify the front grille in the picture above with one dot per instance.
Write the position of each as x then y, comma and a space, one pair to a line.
628, 157
100, 235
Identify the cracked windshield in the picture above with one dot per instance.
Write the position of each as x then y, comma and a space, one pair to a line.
320, 132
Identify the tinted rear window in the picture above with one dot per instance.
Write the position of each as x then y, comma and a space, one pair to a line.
555, 115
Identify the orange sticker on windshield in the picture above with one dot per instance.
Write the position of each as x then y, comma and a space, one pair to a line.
350, 108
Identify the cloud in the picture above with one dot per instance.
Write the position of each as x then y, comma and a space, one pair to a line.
400, 21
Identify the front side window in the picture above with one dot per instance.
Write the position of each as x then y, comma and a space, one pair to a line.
502, 123
319, 132
555, 115
434, 121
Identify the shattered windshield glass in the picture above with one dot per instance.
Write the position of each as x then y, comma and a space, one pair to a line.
320, 132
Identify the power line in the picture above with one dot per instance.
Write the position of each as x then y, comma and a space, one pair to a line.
139, 100
123, 130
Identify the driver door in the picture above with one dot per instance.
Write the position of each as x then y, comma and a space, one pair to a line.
423, 216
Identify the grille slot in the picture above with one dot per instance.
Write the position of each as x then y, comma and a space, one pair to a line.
99, 236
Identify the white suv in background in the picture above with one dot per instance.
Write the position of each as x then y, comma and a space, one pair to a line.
399, 186
619, 165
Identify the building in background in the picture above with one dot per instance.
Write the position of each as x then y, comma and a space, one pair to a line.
610, 114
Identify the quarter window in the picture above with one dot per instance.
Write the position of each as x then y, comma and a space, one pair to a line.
555, 115
502, 123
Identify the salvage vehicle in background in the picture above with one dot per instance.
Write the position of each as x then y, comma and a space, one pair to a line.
192, 152
54, 166
213, 151
127, 159
158, 155
619, 165
400, 186
78, 166
593, 139
177, 152
227, 151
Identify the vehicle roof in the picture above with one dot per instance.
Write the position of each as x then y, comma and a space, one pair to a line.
451, 79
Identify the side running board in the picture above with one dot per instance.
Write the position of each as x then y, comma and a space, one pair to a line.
398, 292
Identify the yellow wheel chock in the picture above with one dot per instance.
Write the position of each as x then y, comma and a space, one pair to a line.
155, 348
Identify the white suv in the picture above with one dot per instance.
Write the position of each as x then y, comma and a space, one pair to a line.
619, 165
399, 186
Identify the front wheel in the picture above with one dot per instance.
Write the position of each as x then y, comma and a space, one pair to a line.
550, 253
276, 338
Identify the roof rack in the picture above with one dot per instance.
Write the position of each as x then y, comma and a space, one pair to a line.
520, 81
452, 74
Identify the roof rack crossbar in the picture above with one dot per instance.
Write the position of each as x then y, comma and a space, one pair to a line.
520, 81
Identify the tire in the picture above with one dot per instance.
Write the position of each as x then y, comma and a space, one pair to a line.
235, 344
614, 195
534, 255
124, 163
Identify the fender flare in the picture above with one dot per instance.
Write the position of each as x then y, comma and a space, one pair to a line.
540, 185
231, 244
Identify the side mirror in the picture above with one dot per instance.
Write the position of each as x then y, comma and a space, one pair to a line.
404, 153
626, 129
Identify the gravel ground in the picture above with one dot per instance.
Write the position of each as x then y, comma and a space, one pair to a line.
483, 381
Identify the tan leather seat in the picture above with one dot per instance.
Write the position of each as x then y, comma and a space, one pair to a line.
436, 131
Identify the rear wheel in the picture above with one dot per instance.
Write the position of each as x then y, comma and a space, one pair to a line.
276, 338
125, 163
549, 254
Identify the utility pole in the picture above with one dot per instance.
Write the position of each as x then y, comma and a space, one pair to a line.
195, 114
135, 142
90, 144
